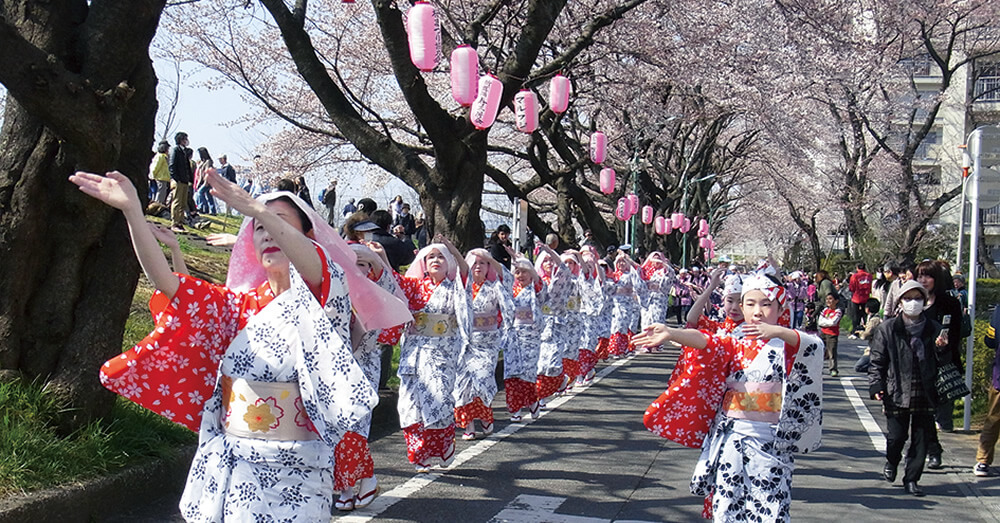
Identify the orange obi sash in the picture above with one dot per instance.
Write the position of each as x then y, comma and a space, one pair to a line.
434, 325
265, 410
753, 401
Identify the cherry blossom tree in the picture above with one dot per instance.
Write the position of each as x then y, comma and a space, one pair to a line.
81, 97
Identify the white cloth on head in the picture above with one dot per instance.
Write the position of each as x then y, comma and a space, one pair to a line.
734, 285
418, 269
759, 282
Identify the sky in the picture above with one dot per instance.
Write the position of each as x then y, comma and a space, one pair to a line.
208, 116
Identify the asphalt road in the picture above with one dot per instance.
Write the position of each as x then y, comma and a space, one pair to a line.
589, 459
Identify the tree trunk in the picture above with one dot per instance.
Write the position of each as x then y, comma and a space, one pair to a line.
67, 271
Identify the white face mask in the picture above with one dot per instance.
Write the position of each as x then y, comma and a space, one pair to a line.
912, 308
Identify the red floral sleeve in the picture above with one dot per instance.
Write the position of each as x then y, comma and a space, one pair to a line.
173, 370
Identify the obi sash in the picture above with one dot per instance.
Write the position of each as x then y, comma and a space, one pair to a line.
573, 303
524, 316
753, 401
654, 286
434, 325
485, 321
265, 410
549, 311
624, 290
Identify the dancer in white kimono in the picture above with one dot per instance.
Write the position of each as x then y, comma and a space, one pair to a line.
442, 321
592, 303
559, 283
659, 276
571, 324
354, 470
520, 357
627, 289
260, 367
489, 290
767, 392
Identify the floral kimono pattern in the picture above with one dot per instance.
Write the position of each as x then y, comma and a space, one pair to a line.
520, 357
593, 304
625, 308
559, 289
427, 365
746, 465
475, 383
659, 284
571, 328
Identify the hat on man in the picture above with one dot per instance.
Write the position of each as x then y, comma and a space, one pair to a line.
365, 226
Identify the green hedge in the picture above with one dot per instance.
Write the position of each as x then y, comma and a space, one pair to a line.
987, 295
982, 370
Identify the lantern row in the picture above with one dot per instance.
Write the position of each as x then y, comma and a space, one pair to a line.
629, 206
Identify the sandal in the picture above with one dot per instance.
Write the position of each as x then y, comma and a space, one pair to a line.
363, 500
345, 505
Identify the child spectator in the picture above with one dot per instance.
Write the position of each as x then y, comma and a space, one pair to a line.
873, 320
809, 318
829, 328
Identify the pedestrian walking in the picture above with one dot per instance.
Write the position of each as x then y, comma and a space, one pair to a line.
904, 364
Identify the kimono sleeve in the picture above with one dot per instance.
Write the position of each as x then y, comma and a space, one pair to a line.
391, 335
684, 412
336, 394
173, 371
641, 287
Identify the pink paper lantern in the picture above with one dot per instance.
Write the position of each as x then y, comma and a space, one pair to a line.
464, 75
660, 225
702, 227
621, 212
711, 253
686, 226
607, 180
677, 219
634, 203
669, 227
703, 243
559, 93
526, 111
647, 215
421, 33
487, 103
598, 147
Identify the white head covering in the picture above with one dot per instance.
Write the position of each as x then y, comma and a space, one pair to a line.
375, 308
364, 253
540, 261
733, 285
470, 258
418, 269
760, 282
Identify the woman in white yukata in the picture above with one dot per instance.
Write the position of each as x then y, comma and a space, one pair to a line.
765, 391
559, 286
261, 367
434, 286
625, 293
354, 470
520, 357
571, 324
489, 290
659, 277
603, 323
592, 303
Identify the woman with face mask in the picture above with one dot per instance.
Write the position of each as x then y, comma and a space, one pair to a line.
904, 361
750, 404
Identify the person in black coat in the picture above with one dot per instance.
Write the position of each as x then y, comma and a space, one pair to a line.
399, 252
942, 307
498, 244
905, 352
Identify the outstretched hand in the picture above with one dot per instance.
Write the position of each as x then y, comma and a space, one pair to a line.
221, 239
716, 277
234, 196
113, 189
164, 235
652, 336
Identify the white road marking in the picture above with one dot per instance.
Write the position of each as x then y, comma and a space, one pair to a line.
419, 481
541, 509
867, 421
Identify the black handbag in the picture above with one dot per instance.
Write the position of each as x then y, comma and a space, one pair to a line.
950, 383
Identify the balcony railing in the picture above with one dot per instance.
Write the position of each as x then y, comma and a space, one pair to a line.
987, 89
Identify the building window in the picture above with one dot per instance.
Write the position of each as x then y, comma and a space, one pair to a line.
930, 175
927, 148
988, 84
918, 65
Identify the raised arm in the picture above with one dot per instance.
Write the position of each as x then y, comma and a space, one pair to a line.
658, 333
167, 237
117, 191
699, 305
296, 246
